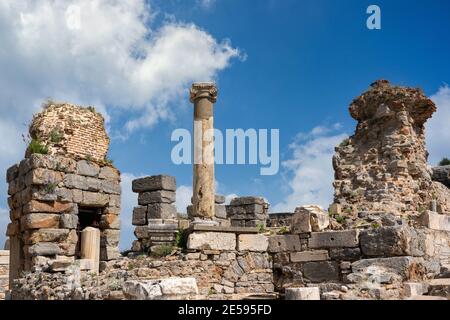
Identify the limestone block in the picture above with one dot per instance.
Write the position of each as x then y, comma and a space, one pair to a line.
44, 249
161, 211
110, 238
212, 241
301, 223
282, 243
40, 220
47, 235
12, 229
414, 289
74, 181
389, 241
321, 271
68, 221
87, 168
139, 216
253, 242
334, 239
154, 183
90, 246
141, 232
47, 207
86, 264
12, 173
64, 194
109, 253
142, 290
109, 173
345, 254
307, 256
247, 200
309, 218
179, 286
440, 287
94, 199
114, 200
42, 176
219, 199
93, 184
110, 221
335, 209
310, 293
397, 265
110, 186
159, 196
220, 211
436, 221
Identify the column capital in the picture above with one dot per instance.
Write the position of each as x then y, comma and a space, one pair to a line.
206, 90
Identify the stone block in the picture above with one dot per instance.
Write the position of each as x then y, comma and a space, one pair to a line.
240, 201
301, 223
12, 173
42, 176
345, 254
282, 243
94, 199
86, 264
159, 196
93, 184
436, 221
142, 290
211, 241
335, 209
220, 211
40, 220
219, 199
87, 168
141, 232
334, 239
110, 186
253, 242
139, 216
310, 293
307, 256
179, 286
109, 253
44, 249
68, 221
321, 271
310, 218
109, 173
110, 221
389, 241
411, 289
47, 207
46, 235
398, 265
161, 211
110, 238
73, 181
154, 183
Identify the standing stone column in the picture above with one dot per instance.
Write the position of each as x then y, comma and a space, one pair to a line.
90, 246
203, 96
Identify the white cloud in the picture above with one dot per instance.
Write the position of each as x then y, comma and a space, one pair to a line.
310, 169
437, 131
184, 195
4, 220
206, 4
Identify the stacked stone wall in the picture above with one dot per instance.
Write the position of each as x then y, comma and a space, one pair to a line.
248, 212
4, 273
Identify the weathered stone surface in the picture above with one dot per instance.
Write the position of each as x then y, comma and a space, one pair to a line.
389, 241
154, 183
321, 271
307, 256
161, 211
110, 186
159, 196
397, 265
212, 241
110, 238
42, 176
219, 199
282, 243
436, 221
109, 173
179, 286
412, 289
110, 221
440, 287
68, 221
93, 184
40, 220
141, 232
139, 216
220, 211
142, 290
310, 293
47, 235
247, 201
12, 173
87, 168
253, 242
442, 174
310, 218
334, 239
47, 207
345, 254
94, 199
73, 181
44, 249
109, 253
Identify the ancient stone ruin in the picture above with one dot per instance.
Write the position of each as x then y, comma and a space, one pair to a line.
386, 235
63, 186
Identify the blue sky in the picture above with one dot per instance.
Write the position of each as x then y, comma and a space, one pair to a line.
289, 64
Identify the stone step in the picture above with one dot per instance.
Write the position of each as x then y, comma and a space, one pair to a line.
440, 287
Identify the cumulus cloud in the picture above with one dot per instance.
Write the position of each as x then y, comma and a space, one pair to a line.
105, 53
184, 195
437, 131
309, 170
206, 4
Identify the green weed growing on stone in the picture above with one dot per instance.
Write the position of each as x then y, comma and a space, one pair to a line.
445, 162
56, 136
162, 251
36, 146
